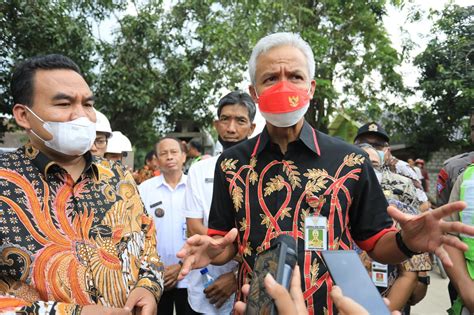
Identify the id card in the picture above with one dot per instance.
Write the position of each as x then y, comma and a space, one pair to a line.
380, 274
315, 233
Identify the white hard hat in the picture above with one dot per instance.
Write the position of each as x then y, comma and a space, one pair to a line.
118, 143
102, 124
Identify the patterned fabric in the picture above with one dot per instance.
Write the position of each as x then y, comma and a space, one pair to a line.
265, 193
66, 244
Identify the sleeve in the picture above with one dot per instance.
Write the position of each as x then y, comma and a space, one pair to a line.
20, 298
193, 204
150, 274
221, 216
13, 305
368, 216
455, 196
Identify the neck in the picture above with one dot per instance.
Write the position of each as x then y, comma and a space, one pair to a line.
284, 135
173, 178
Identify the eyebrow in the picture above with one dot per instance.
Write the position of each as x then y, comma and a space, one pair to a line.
63, 96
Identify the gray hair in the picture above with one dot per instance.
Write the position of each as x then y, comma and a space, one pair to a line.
281, 39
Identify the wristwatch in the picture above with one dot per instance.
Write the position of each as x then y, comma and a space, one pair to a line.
424, 279
403, 247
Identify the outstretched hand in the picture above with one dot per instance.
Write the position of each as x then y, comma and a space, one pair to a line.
199, 250
427, 232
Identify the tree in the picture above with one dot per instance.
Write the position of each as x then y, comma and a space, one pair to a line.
447, 83
30, 28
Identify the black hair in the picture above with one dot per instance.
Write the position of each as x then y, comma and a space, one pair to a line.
22, 81
196, 143
240, 98
149, 156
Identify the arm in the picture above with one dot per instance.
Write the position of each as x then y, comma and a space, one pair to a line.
402, 289
195, 226
386, 250
460, 277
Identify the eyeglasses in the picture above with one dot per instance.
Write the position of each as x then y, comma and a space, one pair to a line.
376, 144
100, 143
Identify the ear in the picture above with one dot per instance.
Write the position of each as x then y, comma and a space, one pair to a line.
313, 88
253, 93
20, 113
252, 128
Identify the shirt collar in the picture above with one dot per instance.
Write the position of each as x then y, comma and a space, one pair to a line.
45, 165
307, 136
160, 181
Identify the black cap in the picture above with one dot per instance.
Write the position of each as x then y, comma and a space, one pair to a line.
372, 128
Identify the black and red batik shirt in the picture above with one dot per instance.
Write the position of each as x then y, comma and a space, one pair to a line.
264, 193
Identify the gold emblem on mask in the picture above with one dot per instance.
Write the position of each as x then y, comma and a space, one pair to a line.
293, 100
373, 127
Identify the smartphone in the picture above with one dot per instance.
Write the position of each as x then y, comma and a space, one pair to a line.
279, 260
349, 274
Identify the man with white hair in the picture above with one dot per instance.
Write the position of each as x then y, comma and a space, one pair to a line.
295, 180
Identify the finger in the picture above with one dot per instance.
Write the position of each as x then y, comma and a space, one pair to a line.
280, 295
245, 289
344, 304
443, 256
186, 267
454, 241
220, 302
239, 308
131, 302
187, 249
448, 209
229, 238
457, 227
295, 291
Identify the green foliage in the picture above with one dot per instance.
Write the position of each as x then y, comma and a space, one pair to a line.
164, 65
447, 83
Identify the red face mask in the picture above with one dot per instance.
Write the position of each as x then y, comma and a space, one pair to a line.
283, 97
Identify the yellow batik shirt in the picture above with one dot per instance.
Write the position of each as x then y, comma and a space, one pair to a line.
66, 244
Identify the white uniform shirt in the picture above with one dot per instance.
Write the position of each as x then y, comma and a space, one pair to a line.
197, 206
171, 227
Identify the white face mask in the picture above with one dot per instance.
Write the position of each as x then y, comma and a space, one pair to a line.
285, 119
73, 137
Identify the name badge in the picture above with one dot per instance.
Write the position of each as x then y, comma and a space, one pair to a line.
316, 233
156, 204
380, 274
209, 180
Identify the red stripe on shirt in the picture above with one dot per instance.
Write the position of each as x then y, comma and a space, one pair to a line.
369, 244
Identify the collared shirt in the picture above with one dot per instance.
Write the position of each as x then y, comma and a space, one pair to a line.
158, 196
197, 206
72, 243
264, 193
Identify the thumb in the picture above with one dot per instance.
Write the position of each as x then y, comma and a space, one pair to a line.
131, 302
230, 237
397, 215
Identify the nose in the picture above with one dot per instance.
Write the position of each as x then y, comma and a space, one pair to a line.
232, 126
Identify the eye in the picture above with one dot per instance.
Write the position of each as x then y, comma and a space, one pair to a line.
63, 104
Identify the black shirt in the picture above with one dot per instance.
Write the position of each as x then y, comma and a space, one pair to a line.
263, 193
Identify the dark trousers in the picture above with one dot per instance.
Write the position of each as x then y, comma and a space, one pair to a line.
177, 298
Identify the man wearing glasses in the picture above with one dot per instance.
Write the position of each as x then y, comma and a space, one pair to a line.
103, 133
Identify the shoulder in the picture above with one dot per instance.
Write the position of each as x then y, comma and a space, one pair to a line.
150, 183
242, 151
458, 161
202, 166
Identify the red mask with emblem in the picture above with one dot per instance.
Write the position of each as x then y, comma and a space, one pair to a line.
283, 104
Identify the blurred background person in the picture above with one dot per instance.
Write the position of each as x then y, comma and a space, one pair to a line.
103, 134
